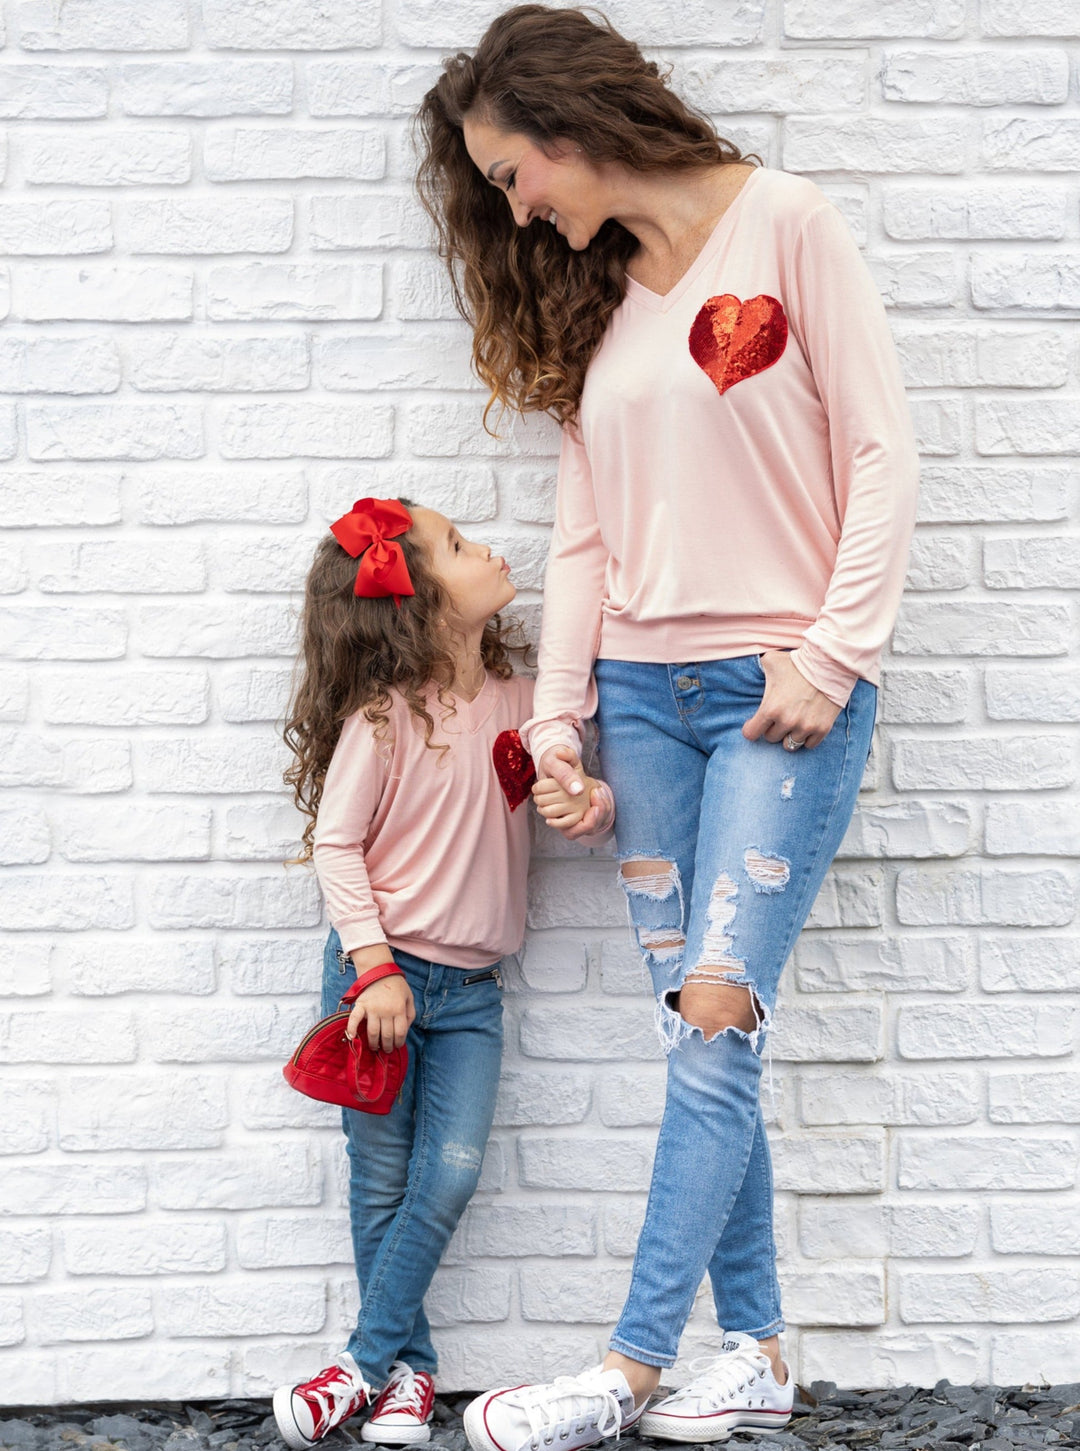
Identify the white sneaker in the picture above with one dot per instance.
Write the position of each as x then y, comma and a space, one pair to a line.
736, 1391
403, 1410
307, 1412
575, 1410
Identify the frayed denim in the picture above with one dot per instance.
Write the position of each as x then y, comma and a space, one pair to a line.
737, 836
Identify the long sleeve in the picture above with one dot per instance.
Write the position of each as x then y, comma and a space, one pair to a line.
417, 846
839, 320
573, 601
350, 798
743, 476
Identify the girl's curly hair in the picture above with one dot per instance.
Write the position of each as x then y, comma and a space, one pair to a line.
354, 651
537, 309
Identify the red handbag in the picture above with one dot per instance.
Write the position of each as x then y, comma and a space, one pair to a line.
335, 1069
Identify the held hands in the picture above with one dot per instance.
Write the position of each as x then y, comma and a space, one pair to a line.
791, 706
386, 1007
573, 803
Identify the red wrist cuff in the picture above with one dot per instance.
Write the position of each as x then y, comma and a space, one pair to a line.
373, 974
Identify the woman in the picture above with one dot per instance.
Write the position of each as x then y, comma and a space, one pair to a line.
735, 501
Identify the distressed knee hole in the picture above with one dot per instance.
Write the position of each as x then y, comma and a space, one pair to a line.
711, 1001
644, 877
768, 873
787, 788
716, 996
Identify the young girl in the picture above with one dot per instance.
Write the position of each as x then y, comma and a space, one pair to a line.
406, 683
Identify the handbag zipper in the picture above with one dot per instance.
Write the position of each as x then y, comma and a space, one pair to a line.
313, 1030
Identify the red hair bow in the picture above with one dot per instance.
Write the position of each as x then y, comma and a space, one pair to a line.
365, 533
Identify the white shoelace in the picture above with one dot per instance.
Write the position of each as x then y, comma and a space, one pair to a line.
335, 1384
573, 1399
402, 1391
714, 1381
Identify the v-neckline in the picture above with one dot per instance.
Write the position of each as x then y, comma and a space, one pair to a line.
473, 713
662, 301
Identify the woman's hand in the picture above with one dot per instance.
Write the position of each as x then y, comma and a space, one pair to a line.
791, 706
387, 1007
561, 772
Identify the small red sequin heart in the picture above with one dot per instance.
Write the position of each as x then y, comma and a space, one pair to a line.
732, 340
514, 767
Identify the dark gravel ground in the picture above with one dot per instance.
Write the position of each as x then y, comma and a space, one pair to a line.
946, 1418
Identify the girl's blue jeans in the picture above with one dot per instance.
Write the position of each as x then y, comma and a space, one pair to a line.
741, 834
413, 1171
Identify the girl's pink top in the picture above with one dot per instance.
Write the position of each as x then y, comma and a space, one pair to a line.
419, 847
743, 473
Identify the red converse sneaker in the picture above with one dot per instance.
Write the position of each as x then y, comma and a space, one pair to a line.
403, 1411
305, 1413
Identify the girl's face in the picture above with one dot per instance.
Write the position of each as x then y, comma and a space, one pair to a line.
477, 582
557, 186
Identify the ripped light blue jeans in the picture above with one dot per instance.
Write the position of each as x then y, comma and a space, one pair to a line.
741, 834
413, 1171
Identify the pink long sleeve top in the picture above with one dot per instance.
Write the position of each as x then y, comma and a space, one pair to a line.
419, 848
742, 474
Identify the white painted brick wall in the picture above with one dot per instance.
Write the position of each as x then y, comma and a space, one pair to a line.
224, 323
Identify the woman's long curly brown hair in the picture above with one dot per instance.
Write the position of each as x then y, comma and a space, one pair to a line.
354, 651
537, 309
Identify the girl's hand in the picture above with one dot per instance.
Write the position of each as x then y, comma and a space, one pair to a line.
566, 813
387, 1007
563, 766
791, 706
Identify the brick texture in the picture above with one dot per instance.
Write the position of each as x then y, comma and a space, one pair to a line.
224, 322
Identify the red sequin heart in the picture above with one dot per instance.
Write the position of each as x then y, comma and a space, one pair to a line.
514, 767
732, 340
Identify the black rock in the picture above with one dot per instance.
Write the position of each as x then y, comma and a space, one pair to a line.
962, 1397
945, 1418
851, 1400
20, 1433
118, 1428
452, 1440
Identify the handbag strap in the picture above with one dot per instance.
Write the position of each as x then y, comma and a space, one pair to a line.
381, 1071
382, 1063
365, 979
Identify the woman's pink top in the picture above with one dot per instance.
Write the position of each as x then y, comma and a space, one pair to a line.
419, 847
743, 473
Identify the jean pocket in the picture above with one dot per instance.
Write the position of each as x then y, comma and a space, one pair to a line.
492, 974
